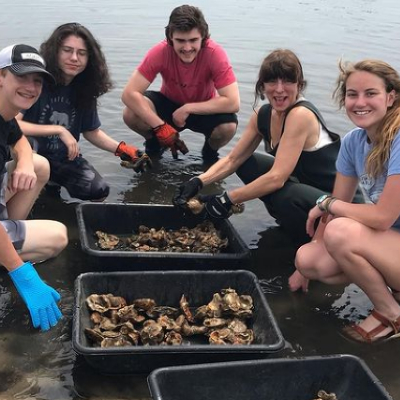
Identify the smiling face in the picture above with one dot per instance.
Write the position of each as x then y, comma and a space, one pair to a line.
186, 44
281, 93
366, 100
18, 92
72, 57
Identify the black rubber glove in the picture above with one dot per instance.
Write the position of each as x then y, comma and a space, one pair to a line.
186, 191
218, 206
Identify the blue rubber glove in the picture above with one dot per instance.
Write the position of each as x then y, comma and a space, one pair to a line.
217, 206
41, 299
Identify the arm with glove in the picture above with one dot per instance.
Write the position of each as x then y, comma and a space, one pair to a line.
217, 206
132, 157
187, 191
40, 298
168, 137
220, 206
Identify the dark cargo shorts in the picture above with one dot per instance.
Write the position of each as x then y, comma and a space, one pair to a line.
204, 124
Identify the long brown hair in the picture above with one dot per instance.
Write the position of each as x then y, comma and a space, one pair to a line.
390, 124
95, 80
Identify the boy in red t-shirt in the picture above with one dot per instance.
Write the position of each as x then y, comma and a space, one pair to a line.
199, 90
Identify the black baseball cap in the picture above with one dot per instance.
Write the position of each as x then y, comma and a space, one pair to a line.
22, 59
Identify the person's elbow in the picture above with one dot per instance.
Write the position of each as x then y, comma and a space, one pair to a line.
126, 96
131, 97
234, 104
383, 222
276, 181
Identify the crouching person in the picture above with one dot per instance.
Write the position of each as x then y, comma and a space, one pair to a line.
22, 177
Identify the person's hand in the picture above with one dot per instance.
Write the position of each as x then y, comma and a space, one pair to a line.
40, 298
168, 137
186, 191
217, 206
313, 215
298, 281
132, 157
22, 178
70, 142
180, 116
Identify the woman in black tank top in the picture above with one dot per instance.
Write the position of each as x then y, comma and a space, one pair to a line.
288, 179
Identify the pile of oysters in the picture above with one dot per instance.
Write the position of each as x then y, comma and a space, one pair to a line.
203, 238
224, 320
323, 395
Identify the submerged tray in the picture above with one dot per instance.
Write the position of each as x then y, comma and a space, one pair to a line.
166, 288
123, 219
274, 379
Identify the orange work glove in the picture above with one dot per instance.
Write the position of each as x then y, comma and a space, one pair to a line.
132, 157
168, 136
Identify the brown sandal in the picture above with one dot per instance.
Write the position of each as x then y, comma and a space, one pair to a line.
355, 332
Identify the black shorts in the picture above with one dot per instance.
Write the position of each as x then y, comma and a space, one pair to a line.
204, 124
80, 178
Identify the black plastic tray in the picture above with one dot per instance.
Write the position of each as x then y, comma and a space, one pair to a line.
275, 379
120, 219
166, 287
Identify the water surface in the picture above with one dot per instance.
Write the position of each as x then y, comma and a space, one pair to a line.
42, 365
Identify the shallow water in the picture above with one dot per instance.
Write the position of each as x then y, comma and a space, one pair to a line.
43, 365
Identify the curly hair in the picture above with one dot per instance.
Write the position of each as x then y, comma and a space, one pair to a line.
184, 19
279, 64
91, 83
390, 124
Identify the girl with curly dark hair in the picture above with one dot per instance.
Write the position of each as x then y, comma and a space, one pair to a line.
68, 108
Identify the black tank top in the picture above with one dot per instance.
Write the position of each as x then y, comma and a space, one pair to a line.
315, 168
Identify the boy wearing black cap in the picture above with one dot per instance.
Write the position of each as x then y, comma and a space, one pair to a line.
22, 71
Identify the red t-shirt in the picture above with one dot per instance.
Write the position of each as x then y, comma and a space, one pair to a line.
187, 83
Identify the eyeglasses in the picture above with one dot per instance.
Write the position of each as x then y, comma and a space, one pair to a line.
71, 50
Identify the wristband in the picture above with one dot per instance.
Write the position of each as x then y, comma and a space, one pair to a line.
328, 204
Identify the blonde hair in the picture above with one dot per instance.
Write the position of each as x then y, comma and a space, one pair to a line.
390, 124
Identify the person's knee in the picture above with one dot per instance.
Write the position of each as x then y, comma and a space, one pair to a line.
99, 192
222, 134
337, 234
133, 122
42, 168
59, 239
91, 188
305, 260
129, 117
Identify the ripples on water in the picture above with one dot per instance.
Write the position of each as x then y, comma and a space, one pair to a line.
43, 366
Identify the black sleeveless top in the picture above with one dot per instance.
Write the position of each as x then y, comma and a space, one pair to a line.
315, 168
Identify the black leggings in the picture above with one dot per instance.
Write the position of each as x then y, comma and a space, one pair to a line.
80, 178
290, 204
